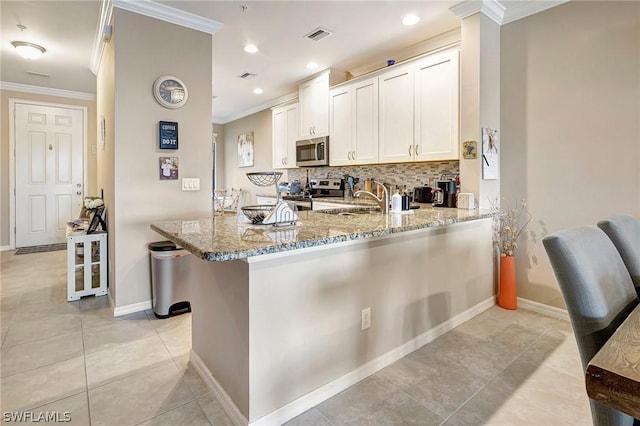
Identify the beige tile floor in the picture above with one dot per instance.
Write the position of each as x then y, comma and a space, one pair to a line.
500, 368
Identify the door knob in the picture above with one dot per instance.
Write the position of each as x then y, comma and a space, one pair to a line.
78, 192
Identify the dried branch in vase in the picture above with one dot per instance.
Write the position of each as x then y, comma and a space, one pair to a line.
508, 226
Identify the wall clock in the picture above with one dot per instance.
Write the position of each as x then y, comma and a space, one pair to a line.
170, 91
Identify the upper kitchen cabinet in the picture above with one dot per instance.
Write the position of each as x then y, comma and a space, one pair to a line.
353, 123
314, 103
419, 110
396, 114
284, 136
437, 107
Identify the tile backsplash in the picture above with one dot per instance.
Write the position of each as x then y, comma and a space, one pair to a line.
410, 174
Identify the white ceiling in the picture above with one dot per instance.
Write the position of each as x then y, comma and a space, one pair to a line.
365, 33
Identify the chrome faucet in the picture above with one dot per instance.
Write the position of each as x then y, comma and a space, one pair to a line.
383, 202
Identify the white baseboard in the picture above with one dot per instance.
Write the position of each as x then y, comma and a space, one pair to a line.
218, 392
314, 398
541, 308
130, 309
5, 248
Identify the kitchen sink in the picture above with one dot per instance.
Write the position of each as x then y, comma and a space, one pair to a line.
350, 212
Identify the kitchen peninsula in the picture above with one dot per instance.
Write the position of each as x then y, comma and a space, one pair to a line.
279, 319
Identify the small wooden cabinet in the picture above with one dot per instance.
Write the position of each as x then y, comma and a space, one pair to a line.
284, 136
86, 264
353, 123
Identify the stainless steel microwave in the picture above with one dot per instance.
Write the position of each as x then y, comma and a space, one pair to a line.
312, 152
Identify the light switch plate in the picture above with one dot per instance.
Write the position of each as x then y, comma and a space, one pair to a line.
191, 184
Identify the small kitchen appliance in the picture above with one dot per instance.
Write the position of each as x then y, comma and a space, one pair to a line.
445, 195
312, 152
422, 194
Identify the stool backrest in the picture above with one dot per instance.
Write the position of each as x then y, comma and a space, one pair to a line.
624, 232
598, 293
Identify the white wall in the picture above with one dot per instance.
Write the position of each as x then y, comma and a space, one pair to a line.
145, 49
570, 102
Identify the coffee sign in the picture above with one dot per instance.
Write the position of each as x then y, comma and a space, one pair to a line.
168, 135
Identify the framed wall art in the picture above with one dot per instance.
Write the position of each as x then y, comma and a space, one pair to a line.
168, 131
245, 149
168, 168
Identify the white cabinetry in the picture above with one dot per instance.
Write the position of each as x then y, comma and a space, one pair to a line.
284, 136
314, 107
436, 107
353, 123
419, 104
396, 115
314, 103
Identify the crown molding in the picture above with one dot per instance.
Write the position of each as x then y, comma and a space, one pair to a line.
502, 12
170, 14
99, 38
40, 90
269, 104
491, 8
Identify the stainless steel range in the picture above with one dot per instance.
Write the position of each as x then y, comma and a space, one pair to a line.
319, 188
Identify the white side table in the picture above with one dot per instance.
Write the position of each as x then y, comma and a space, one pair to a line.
86, 264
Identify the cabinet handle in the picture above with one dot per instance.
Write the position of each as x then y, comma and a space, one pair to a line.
409, 150
353, 155
416, 149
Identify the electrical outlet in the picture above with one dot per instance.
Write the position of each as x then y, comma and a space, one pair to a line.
366, 318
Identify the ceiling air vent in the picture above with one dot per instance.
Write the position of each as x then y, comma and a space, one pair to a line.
247, 75
318, 34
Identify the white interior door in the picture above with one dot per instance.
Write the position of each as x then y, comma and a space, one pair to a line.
49, 167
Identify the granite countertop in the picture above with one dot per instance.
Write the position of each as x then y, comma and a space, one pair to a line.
222, 238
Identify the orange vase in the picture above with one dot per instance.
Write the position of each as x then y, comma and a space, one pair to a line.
508, 297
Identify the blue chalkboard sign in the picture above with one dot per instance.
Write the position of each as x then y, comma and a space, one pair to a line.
168, 135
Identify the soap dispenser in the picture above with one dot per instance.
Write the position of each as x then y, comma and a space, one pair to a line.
396, 202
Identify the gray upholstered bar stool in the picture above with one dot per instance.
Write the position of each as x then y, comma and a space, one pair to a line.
599, 295
624, 232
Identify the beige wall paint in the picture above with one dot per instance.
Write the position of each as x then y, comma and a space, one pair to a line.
5, 191
234, 176
570, 102
145, 49
106, 153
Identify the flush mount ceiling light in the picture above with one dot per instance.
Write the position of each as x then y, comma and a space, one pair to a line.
312, 65
410, 19
250, 48
28, 50
257, 91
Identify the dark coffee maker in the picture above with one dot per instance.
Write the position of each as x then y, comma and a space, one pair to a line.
445, 195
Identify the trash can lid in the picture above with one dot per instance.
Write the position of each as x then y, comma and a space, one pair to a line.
163, 246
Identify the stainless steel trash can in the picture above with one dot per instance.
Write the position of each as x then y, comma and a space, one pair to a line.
169, 273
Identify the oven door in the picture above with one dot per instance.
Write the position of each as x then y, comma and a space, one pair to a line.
312, 152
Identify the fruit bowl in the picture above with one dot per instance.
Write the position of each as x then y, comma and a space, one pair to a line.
256, 214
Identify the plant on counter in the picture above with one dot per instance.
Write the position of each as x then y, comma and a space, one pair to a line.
508, 226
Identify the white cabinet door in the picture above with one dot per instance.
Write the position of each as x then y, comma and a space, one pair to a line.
314, 107
284, 135
364, 117
279, 137
340, 151
396, 115
292, 135
436, 107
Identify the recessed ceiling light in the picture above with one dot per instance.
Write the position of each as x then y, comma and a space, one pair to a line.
28, 50
410, 19
312, 65
250, 48
257, 91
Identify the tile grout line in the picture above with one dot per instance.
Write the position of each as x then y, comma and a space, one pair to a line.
411, 397
84, 357
495, 376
